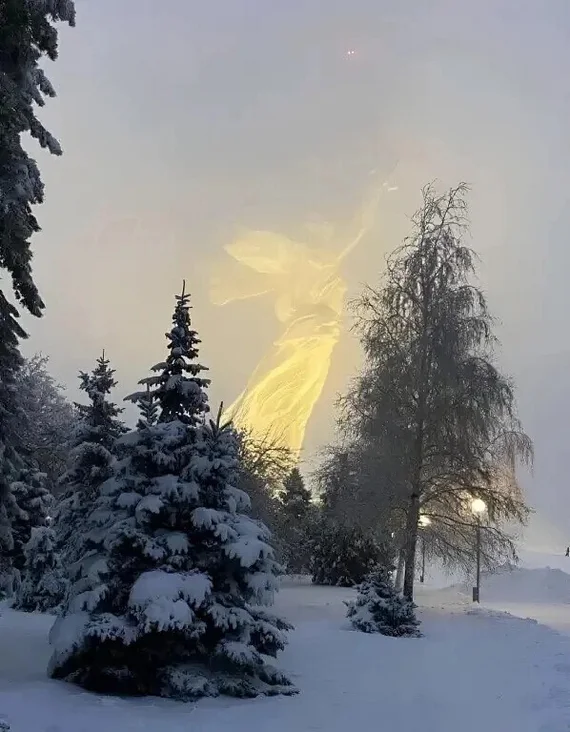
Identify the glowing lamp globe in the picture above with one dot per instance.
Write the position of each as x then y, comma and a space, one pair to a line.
478, 506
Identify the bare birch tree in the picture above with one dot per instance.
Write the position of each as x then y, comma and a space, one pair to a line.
431, 406
264, 464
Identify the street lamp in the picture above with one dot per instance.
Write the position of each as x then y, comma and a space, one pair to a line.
478, 508
423, 522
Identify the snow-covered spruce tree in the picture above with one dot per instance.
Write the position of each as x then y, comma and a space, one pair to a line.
26, 34
91, 458
296, 497
379, 608
43, 582
35, 503
148, 410
171, 607
176, 385
11, 462
296, 522
342, 555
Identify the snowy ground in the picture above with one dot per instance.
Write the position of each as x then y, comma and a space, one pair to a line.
474, 670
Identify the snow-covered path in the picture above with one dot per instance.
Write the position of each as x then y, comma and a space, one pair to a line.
471, 672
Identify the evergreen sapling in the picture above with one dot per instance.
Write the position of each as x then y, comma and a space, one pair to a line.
379, 608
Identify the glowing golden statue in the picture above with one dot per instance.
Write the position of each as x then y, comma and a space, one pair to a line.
309, 298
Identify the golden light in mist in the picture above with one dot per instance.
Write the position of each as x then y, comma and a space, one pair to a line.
478, 506
308, 291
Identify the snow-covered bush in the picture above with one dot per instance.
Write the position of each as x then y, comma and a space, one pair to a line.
169, 598
341, 555
43, 581
379, 608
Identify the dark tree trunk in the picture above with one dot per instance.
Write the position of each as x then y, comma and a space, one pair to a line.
410, 547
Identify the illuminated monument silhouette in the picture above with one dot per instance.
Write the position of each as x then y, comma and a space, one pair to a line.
308, 292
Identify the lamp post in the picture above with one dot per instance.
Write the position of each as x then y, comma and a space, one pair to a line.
423, 523
478, 508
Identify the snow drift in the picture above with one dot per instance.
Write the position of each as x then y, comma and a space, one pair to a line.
522, 585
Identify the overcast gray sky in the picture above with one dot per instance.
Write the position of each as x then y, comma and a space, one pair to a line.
183, 120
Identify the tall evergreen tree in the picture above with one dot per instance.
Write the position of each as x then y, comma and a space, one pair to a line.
176, 385
296, 497
298, 516
11, 463
26, 35
91, 456
170, 606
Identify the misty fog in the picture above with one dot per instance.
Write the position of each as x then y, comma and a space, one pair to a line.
184, 121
